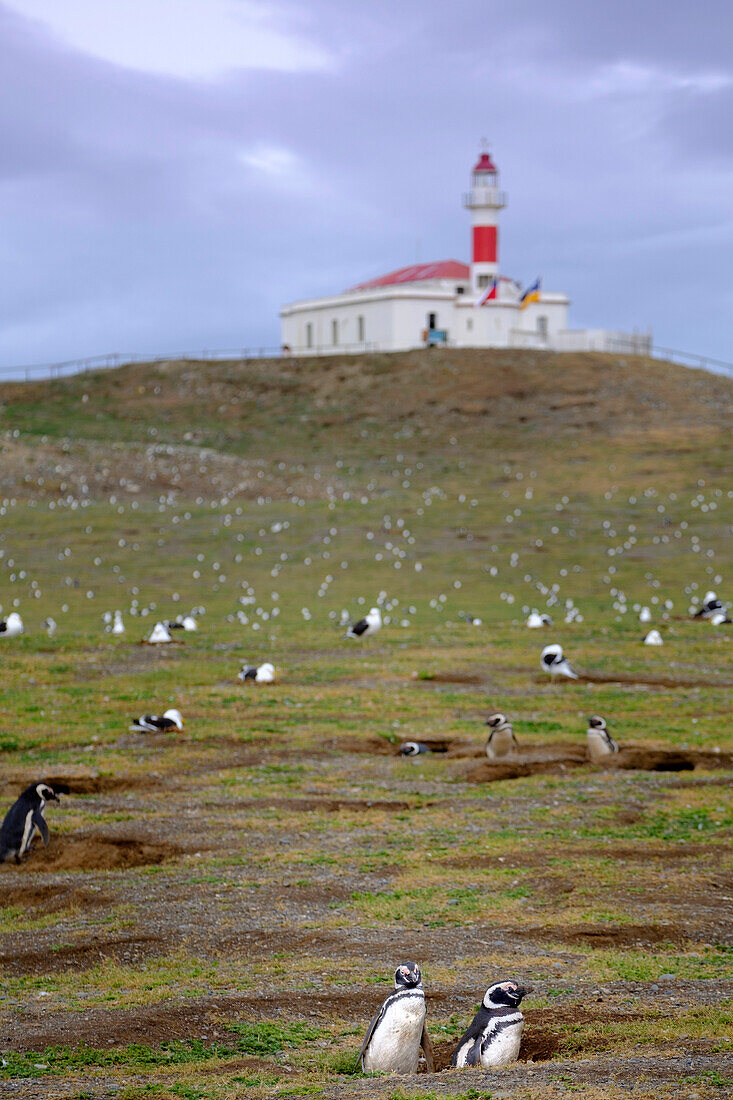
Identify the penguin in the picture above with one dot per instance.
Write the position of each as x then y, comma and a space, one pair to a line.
653, 638
261, 674
153, 723
720, 618
535, 620
368, 625
600, 742
413, 748
494, 1036
710, 606
12, 626
397, 1031
24, 817
553, 662
501, 741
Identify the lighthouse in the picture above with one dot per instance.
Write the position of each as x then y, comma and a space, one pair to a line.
484, 200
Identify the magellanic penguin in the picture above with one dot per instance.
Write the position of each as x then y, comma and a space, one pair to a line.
261, 674
501, 741
370, 624
710, 606
12, 626
158, 723
600, 742
553, 662
395, 1035
24, 818
494, 1036
413, 748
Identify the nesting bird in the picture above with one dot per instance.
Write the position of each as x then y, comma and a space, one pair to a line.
186, 623
552, 661
711, 605
159, 635
645, 615
600, 742
535, 620
501, 740
261, 674
12, 626
153, 723
653, 638
118, 627
495, 1034
397, 1031
25, 818
370, 624
413, 748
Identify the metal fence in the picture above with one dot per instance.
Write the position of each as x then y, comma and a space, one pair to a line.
42, 371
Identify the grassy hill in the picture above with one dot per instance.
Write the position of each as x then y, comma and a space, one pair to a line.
219, 912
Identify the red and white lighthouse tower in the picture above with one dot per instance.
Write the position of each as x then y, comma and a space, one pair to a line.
484, 200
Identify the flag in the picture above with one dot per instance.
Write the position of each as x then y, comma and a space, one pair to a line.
492, 291
531, 294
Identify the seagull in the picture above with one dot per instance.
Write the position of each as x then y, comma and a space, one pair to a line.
186, 623
118, 627
535, 620
653, 638
12, 626
262, 674
552, 661
472, 620
159, 635
153, 723
719, 618
369, 625
50, 625
645, 615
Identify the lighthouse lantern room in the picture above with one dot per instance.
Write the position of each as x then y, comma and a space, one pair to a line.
484, 200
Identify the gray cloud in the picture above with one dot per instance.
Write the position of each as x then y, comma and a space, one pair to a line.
144, 212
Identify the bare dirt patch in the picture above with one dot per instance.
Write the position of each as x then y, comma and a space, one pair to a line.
50, 898
81, 956
90, 853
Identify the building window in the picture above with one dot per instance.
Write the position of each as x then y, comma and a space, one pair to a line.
460, 290
360, 323
334, 333
432, 321
482, 281
542, 328
469, 323
309, 335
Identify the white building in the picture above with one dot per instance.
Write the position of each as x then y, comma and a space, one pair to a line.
448, 302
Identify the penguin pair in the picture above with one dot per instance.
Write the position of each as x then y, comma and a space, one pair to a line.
397, 1031
494, 1036
25, 818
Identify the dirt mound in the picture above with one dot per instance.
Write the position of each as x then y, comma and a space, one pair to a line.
323, 804
90, 853
81, 956
651, 760
612, 935
50, 898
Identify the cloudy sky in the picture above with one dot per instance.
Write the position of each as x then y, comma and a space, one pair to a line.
171, 171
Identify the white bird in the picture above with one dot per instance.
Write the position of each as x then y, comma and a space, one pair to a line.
552, 661
12, 626
262, 674
154, 723
711, 605
159, 635
118, 627
645, 615
535, 620
368, 625
719, 618
653, 638
50, 625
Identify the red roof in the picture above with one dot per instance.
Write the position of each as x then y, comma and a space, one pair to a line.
417, 273
484, 164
